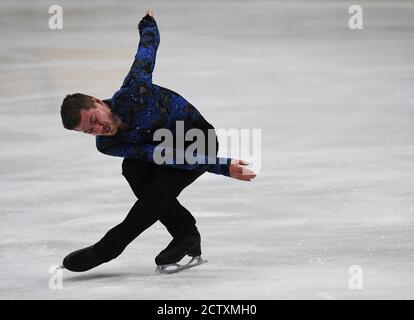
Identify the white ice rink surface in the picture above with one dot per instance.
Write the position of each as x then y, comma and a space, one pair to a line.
335, 108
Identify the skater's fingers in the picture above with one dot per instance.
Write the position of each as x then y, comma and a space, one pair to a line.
245, 177
239, 162
239, 171
247, 171
242, 169
244, 162
249, 174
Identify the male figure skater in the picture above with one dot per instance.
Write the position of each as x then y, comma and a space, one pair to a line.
124, 126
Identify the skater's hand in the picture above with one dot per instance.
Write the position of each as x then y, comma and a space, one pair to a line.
239, 171
150, 13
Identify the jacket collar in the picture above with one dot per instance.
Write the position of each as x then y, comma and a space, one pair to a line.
108, 102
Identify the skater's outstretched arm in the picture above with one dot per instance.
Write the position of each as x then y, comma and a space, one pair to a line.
223, 166
146, 153
144, 61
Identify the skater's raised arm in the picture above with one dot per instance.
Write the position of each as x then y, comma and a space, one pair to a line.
145, 57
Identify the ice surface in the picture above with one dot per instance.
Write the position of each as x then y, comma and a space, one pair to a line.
335, 108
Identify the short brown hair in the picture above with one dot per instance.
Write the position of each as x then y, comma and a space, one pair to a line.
71, 109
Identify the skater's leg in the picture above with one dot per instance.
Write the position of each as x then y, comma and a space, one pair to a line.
139, 174
155, 199
177, 219
181, 224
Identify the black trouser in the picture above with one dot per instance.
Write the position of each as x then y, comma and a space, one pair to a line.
157, 188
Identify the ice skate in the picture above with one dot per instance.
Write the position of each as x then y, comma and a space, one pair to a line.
81, 260
176, 267
167, 260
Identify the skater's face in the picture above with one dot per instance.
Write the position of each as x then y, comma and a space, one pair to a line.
98, 121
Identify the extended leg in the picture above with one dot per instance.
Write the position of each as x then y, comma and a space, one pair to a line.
165, 187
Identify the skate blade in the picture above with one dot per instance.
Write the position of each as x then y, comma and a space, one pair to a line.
176, 267
58, 268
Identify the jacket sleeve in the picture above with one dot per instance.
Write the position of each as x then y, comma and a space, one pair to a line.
146, 153
144, 61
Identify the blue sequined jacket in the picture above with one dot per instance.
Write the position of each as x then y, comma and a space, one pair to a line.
146, 107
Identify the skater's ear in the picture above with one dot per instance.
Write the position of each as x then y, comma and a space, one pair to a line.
97, 100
